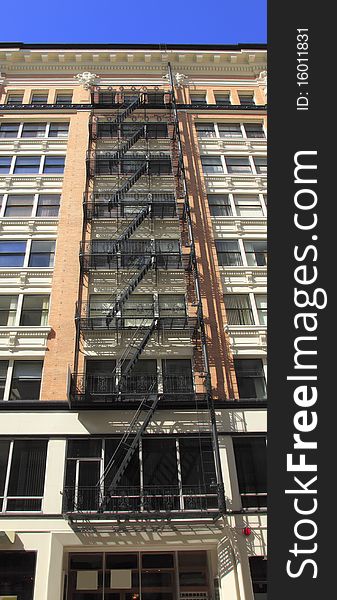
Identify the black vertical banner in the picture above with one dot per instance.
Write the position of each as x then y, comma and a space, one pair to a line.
302, 299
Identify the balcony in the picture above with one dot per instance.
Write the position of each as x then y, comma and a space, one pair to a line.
92, 503
101, 255
106, 163
95, 318
101, 205
119, 100
99, 391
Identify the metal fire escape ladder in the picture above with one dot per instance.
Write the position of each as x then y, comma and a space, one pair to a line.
130, 229
136, 279
130, 142
129, 109
123, 190
133, 352
128, 444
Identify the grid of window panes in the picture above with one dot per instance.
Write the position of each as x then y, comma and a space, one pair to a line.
30, 205
34, 129
20, 379
28, 165
22, 253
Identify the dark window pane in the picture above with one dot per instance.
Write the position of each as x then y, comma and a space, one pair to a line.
54, 164
39, 98
4, 452
250, 458
157, 561
230, 130
238, 309
86, 562
58, 130
228, 252
34, 310
28, 468
12, 253
48, 205
197, 463
250, 377
5, 164
27, 164
32, 130
86, 448
239, 164
121, 561
258, 571
219, 205
42, 254
160, 462
26, 380
17, 574
14, 98
254, 130
64, 98
19, 205
9, 130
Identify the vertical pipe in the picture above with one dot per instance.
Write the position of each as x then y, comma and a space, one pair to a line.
215, 438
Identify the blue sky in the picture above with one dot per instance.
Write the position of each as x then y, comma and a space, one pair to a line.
131, 21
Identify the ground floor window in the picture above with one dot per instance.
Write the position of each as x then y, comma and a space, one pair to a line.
17, 574
258, 570
135, 575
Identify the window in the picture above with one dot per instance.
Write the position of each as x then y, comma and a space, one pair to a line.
8, 306
48, 205
211, 164
247, 99
42, 254
172, 305
54, 164
3, 377
248, 206
5, 164
251, 466
27, 164
24, 466
223, 99
261, 305
256, 253
258, 572
19, 205
250, 377
238, 164
26, 380
205, 130
9, 130
14, 99
177, 375
33, 130
260, 164
34, 311
254, 130
199, 98
58, 130
64, 98
17, 574
238, 309
138, 310
39, 98
12, 253
230, 130
228, 253
219, 205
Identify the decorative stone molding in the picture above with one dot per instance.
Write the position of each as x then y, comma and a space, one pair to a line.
86, 79
2, 80
179, 79
262, 81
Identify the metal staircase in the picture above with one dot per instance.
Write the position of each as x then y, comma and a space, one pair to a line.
130, 142
130, 229
133, 352
128, 445
133, 283
129, 109
123, 190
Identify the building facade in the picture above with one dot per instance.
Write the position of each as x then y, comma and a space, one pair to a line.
133, 322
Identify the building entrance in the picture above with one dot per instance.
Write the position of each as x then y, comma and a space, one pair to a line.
138, 576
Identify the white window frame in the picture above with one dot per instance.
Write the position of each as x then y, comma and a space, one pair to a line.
9, 376
34, 205
41, 166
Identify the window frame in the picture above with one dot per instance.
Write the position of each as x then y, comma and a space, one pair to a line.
8, 379
28, 252
10, 464
37, 196
41, 170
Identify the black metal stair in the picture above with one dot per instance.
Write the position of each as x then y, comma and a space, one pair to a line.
119, 195
128, 444
130, 142
134, 281
133, 352
130, 229
129, 109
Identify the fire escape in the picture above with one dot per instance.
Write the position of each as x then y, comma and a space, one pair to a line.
133, 162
